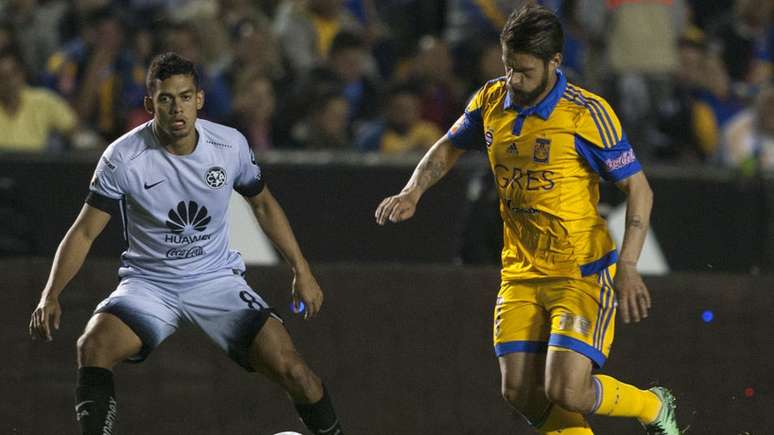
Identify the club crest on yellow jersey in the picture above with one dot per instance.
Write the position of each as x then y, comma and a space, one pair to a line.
542, 150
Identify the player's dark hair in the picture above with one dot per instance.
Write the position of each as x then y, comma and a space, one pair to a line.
167, 65
533, 30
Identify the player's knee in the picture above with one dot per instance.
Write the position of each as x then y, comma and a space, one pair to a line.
295, 372
94, 350
569, 397
516, 395
295, 375
89, 347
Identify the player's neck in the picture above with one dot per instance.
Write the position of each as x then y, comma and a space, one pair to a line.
178, 146
183, 146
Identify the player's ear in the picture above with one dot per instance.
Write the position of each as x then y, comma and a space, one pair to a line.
147, 102
556, 61
199, 99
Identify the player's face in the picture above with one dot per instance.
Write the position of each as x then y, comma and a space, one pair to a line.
528, 77
174, 104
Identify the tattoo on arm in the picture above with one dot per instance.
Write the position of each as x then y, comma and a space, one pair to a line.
635, 222
429, 172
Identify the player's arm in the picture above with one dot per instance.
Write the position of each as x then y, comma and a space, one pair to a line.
601, 142
68, 260
633, 295
433, 166
275, 225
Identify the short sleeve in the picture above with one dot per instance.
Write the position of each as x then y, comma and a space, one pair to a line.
249, 180
599, 124
106, 179
468, 131
601, 142
106, 188
613, 164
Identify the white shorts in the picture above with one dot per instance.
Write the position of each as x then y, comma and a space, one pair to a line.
223, 306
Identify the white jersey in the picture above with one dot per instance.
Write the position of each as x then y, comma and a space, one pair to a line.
174, 208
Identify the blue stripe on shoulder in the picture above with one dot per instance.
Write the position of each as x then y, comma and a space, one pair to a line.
602, 113
579, 101
601, 110
608, 138
616, 136
605, 120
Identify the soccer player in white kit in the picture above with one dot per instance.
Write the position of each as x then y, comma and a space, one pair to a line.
170, 181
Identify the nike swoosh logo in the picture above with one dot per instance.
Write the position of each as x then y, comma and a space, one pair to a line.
148, 186
83, 403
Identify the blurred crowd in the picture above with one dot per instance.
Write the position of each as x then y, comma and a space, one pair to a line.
690, 79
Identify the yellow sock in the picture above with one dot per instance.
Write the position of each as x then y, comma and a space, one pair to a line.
561, 421
616, 399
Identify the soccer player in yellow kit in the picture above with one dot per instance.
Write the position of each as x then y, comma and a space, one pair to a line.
549, 143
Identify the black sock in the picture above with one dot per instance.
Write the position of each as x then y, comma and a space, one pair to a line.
95, 408
320, 417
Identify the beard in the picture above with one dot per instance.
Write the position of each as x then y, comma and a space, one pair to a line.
527, 98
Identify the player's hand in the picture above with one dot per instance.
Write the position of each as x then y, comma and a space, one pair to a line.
633, 295
45, 319
306, 290
396, 208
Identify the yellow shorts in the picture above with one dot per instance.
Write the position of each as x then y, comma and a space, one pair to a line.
574, 314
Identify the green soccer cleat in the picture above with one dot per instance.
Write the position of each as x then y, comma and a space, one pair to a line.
666, 423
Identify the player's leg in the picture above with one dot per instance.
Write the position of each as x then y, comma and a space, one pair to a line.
241, 323
521, 337
568, 381
105, 342
521, 384
523, 388
273, 354
582, 330
570, 384
126, 326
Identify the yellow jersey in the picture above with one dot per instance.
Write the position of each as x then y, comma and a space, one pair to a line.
548, 160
